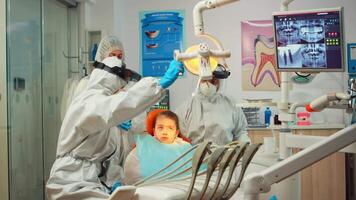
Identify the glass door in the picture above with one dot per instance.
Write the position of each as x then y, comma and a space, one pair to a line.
39, 34
24, 82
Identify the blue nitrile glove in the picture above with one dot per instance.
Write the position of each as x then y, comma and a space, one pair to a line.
115, 186
125, 125
172, 73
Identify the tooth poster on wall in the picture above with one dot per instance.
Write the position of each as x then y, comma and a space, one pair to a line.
258, 60
160, 34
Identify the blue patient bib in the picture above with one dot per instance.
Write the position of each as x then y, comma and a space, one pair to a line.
154, 155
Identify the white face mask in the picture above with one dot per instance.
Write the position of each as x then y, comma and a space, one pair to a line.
207, 89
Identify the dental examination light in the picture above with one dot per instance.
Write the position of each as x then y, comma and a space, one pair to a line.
201, 60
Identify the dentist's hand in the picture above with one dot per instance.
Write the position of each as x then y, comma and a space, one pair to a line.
125, 125
175, 68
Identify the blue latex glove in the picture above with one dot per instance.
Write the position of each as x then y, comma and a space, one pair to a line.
172, 73
126, 125
115, 186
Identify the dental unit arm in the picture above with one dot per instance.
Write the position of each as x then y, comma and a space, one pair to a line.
261, 182
335, 100
331, 100
204, 52
198, 12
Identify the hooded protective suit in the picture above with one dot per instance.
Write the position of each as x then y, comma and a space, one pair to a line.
209, 115
88, 151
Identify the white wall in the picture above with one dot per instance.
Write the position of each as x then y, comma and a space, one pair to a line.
99, 16
224, 23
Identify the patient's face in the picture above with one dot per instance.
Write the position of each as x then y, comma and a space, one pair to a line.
165, 130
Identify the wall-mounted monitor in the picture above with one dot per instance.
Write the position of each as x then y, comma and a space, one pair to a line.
309, 40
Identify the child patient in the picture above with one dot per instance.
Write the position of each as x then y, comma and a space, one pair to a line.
153, 153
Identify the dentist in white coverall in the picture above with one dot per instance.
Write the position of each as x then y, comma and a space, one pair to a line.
85, 166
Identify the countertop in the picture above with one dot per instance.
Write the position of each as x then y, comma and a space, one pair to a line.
293, 127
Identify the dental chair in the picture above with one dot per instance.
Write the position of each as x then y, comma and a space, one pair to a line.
216, 172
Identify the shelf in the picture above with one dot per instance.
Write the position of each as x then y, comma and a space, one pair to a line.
92, 37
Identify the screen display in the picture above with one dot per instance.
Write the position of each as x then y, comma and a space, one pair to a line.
163, 103
309, 40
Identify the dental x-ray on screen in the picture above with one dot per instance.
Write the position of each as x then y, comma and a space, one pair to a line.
309, 41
